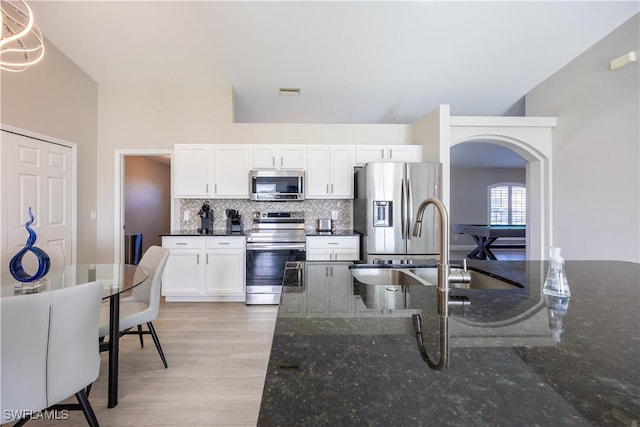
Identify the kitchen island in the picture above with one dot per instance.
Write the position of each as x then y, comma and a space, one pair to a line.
344, 354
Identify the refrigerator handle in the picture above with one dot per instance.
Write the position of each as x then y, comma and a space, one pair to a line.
403, 209
409, 208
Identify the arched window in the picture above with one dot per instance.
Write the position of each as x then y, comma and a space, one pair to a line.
507, 203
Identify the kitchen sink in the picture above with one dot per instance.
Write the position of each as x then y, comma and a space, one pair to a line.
426, 276
385, 276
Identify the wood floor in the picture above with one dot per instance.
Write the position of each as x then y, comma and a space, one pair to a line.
217, 355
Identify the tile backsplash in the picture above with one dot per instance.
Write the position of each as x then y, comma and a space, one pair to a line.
314, 209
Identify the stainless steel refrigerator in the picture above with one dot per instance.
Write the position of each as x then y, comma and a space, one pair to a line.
387, 196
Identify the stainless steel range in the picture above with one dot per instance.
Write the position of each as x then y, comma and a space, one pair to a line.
276, 237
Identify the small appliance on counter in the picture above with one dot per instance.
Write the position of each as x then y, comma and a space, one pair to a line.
324, 225
234, 221
206, 219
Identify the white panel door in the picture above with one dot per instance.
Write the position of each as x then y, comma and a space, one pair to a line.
37, 174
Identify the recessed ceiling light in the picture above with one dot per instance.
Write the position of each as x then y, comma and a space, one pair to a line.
289, 91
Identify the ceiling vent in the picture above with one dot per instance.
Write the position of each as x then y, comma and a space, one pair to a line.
289, 91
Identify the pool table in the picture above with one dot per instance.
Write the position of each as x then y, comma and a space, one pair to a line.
485, 236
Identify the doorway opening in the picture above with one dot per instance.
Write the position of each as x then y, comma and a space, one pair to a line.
144, 204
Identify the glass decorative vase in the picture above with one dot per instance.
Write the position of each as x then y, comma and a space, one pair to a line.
15, 265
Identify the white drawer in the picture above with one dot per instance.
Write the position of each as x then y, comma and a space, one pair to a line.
177, 242
225, 243
329, 242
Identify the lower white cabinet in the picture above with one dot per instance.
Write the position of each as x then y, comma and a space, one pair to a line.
326, 293
204, 268
333, 248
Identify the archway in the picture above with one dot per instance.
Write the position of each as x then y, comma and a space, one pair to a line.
537, 180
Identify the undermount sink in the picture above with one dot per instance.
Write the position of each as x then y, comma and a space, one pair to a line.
425, 276
395, 276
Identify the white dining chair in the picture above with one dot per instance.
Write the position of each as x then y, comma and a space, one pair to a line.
49, 350
143, 305
73, 359
24, 336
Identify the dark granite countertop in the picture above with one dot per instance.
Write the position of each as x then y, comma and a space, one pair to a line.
344, 354
197, 233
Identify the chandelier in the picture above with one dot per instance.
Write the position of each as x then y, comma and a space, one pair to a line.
21, 44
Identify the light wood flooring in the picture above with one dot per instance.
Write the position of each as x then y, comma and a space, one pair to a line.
217, 355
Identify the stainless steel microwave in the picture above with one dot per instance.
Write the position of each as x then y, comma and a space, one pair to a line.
276, 185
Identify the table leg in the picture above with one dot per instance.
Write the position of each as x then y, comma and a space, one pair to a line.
483, 248
114, 348
486, 248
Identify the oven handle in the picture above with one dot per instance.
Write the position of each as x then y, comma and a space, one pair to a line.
275, 246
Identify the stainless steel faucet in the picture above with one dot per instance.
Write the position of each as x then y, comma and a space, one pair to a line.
446, 276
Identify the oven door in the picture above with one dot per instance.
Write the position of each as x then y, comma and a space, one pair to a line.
265, 269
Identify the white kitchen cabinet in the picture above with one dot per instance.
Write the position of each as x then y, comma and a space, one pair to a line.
329, 172
192, 170
231, 171
333, 248
279, 156
326, 294
204, 268
387, 153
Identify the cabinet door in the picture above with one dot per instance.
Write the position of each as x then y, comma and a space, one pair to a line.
404, 153
293, 157
341, 185
183, 274
192, 170
225, 272
317, 176
231, 171
264, 157
370, 153
341, 299
317, 288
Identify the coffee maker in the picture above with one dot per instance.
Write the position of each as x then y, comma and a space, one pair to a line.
206, 219
234, 221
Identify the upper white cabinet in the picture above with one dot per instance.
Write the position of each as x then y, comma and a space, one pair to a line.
192, 170
388, 153
329, 172
211, 171
231, 171
279, 156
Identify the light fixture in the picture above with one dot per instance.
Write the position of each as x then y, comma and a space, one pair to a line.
21, 44
623, 60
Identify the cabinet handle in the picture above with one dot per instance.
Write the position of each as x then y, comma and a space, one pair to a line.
181, 243
390, 153
273, 161
206, 188
382, 153
215, 188
333, 243
207, 259
223, 243
331, 188
331, 271
281, 161
198, 259
327, 188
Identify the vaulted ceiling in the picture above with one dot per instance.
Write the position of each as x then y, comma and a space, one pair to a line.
354, 62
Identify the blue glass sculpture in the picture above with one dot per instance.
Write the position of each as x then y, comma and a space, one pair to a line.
15, 265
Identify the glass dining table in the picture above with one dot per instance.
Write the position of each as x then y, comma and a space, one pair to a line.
115, 278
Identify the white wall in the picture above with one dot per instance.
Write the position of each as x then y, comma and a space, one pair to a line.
56, 98
156, 116
596, 197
